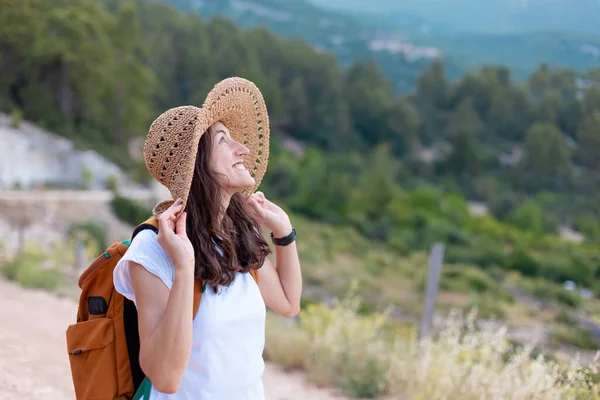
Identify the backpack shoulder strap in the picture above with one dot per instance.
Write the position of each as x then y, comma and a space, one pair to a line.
197, 296
150, 223
254, 273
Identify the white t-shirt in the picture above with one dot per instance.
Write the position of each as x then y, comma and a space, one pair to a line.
228, 335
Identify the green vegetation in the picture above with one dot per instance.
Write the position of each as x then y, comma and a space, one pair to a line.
27, 269
94, 233
573, 335
129, 211
469, 34
367, 358
382, 176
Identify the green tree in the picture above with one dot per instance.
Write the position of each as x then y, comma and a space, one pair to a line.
402, 121
376, 184
591, 99
430, 100
539, 83
432, 89
551, 107
510, 114
546, 161
588, 152
134, 81
588, 225
463, 161
464, 119
369, 97
298, 107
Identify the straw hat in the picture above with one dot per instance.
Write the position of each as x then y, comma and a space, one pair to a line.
172, 143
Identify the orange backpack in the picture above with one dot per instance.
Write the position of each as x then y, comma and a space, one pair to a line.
103, 344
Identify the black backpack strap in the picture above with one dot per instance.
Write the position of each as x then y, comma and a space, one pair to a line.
143, 226
130, 322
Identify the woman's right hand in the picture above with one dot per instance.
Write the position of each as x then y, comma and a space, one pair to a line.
172, 237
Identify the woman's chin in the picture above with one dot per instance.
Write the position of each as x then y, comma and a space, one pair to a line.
242, 184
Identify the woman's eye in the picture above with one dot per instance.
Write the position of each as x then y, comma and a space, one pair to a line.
222, 140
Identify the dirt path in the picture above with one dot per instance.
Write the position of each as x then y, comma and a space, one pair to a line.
34, 363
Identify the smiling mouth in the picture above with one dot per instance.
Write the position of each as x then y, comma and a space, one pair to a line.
239, 166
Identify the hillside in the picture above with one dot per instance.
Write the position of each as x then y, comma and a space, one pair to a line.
346, 36
404, 37
470, 34
491, 16
524, 51
395, 171
373, 180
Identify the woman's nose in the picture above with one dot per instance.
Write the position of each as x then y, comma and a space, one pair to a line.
242, 150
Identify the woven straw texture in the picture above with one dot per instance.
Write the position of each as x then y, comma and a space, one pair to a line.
171, 146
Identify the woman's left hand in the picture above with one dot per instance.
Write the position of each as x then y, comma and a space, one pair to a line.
270, 215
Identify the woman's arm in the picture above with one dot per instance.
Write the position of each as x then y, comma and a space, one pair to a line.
280, 284
165, 317
165, 325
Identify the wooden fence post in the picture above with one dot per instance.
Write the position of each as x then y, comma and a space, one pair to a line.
436, 258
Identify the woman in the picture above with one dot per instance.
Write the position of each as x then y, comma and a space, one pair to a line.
211, 159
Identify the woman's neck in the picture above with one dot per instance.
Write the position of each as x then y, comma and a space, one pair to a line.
225, 200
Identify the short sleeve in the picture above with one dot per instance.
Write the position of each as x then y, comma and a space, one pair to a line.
146, 251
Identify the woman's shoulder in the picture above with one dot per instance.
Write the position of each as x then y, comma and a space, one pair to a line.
145, 236
145, 250
145, 241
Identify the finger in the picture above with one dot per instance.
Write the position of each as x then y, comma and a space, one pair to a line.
172, 210
261, 197
166, 219
180, 225
256, 207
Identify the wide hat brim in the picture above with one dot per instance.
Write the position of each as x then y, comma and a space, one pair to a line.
171, 146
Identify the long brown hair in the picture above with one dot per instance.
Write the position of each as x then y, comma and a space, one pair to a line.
238, 236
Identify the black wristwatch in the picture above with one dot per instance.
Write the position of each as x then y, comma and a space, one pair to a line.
284, 241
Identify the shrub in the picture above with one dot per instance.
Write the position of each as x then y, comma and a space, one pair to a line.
86, 178
587, 225
26, 270
129, 211
95, 230
521, 260
16, 118
347, 349
543, 289
570, 264
574, 335
466, 279
445, 232
485, 254
111, 183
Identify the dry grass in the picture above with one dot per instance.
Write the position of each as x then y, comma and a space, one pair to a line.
286, 344
366, 359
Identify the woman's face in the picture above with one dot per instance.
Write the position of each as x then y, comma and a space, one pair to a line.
226, 160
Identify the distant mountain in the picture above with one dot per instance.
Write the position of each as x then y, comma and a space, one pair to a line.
485, 16
403, 37
524, 52
346, 36
518, 33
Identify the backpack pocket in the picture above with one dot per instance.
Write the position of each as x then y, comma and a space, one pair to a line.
91, 347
